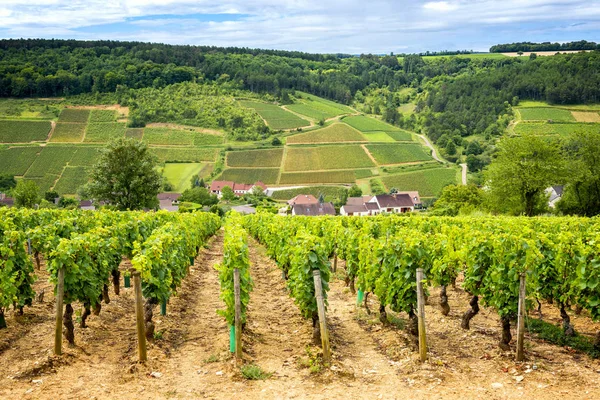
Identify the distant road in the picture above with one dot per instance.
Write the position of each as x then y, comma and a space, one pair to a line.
428, 144
464, 173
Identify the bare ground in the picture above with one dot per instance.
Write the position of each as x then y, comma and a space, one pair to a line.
370, 360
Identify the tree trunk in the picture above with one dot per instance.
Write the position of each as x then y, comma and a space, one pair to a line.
148, 306
2, 319
105, 294
37, 259
85, 315
316, 329
469, 314
116, 274
566, 320
506, 336
413, 326
68, 324
367, 303
444, 301
98, 306
578, 309
453, 281
539, 309
352, 289
597, 342
382, 314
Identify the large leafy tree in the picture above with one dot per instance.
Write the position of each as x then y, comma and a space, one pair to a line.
524, 168
26, 194
455, 198
126, 176
199, 195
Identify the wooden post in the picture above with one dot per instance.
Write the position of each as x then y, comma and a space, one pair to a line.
238, 314
521, 319
322, 318
60, 292
139, 312
421, 315
335, 259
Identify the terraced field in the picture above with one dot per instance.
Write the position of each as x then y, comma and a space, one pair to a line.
277, 118
66, 132
563, 129
74, 115
255, 158
71, 180
168, 136
429, 183
245, 175
337, 132
97, 116
317, 108
16, 160
330, 192
397, 153
308, 178
13, 131
174, 154
375, 129
103, 132
545, 114
326, 157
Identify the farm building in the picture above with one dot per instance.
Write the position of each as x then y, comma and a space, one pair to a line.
239, 189
168, 201
554, 195
303, 199
6, 201
373, 205
313, 210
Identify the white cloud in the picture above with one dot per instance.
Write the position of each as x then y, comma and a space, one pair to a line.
440, 6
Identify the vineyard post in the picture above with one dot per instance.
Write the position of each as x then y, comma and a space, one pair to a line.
60, 291
238, 314
421, 315
322, 320
139, 311
335, 259
521, 319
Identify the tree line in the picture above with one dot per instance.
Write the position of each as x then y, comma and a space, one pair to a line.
545, 46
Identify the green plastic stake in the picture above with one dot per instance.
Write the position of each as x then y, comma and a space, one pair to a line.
192, 261
127, 279
163, 308
232, 338
360, 297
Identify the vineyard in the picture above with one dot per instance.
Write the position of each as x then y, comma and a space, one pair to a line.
513, 270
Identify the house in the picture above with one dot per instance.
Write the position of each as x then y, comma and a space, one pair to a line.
6, 201
240, 189
373, 205
169, 201
313, 209
554, 195
415, 198
303, 199
87, 205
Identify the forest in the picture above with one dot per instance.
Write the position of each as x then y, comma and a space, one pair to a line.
546, 46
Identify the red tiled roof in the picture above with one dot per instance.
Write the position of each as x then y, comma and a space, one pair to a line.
303, 199
168, 196
394, 201
314, 209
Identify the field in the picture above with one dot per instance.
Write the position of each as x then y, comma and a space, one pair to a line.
429, 183
317, 108
255, 158
180, 174
401, 135
544, 114
398, 153
326, 157
277, 118
367, 124
555, 129
135, 133
365, 173
376, 136
71, 180
103, 132
102, 116
84, 156
586, 116
245, 175
68, 132
16, 160
51, 160
333, 133
330, 192
184, 155
44, 182
309, 178
168, 136
74, 115
23, 131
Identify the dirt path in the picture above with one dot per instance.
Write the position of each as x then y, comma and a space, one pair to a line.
428, 144
464, 173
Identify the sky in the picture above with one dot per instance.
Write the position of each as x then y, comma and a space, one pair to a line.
317, 26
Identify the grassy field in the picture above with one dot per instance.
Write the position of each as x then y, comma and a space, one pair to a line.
71, 180
543, 104
398, 153
68, 132
376, 136
364, 173
401, 136
276, 117
586, 116
135, 133
555, 129
317, 108
326, 157
102, 116
310, 178
23, 131
333, 133
16, 160
102, 132
180, 174
168, 136
245, 175
51, 160
543, 114
184, 155
407, 109
44, 182
74, 115
330, 192
429, 182
255, 158
84, 156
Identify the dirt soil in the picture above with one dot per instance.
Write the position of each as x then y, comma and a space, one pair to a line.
190, 356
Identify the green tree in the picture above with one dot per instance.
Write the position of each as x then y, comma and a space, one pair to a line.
451, 148
26, 194
126, 176
227, 194
354, 191
68, 202
51, 195
276, 141
199, 195
524, 168
455, 198
7, 182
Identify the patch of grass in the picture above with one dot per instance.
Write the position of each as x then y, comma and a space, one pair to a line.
276, 117
398, 153
74, 115
368, 124
23, 131
563, 129
377, 136
313, 361
333, 133
401, 136
158, 335
363, 173
309, 178
550, 113
168, 136
326, 157
135, 133
213, 358
68, 132
428, 183
253, 372
180, 174
317, 108
184, 155
250, 175
16, 160
330, 192
255, 158
103, 132
554, 334
102, 116
71, 180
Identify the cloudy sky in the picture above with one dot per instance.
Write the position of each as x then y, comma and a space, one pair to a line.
345, 26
